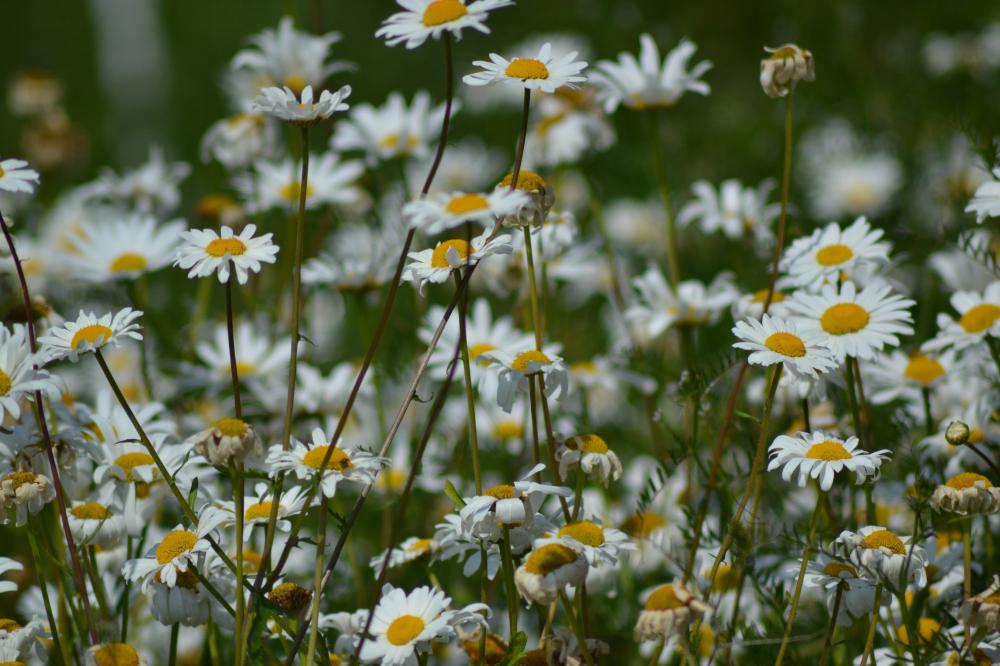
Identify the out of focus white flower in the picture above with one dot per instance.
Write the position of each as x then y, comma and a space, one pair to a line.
239, 140
735, 210
659, 307
986, 202
300, 108
152, 187
277, 184
123, 249
15, 176
391, 130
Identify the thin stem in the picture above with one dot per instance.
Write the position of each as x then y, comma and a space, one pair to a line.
673, 262
806, 554
515, 174
238, 500
44, 588
966, 573
233, 368
578, 495
870, 639
982, 456
928, 419
470, 390
175, 630
533, 288
123, 602
551, 443
806, 421
317, 583
507, 563
90, 560
994, 345
832, 628
533, 408
574, 621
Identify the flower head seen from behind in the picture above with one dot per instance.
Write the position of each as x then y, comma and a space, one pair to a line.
89, 333
545, 72
667, 611
966, 493
516, 369
821, 456
881, 556
548, 570
204, 252
301, 109
15, 176
784, 67
421, 19
646, 82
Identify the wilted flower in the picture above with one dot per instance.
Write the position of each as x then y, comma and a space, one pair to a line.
786, 66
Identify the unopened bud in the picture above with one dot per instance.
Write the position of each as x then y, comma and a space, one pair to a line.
957, 433
786, 65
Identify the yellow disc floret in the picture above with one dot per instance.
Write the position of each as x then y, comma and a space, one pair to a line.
231, 427
967, 480
115, 654
129, 461
828, 450
663, 598
129, 262
90, 511
980, 317
522, 360
404, 629
786, 344
439, 259
833, 255
844, 318
923, 369
91, 334
175, 544
443, 11
548, 558
527, 68
467, 203
339, 460
884, 539
220, 247
584, 531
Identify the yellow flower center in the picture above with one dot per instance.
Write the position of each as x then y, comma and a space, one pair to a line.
663, 598
18, 479
404, 629
478, 349
258, 511
90, 334
443, 11
526, 180
467, 203
91, 511
836, 568
339, 460
727, 578
419, 546
884, 539
251, 561
584, 531
588, 443
976, 435
289, 597
174, 544
923, 369
231, 427
980, 317
706, 643
2, 172
8, 625
503, 491
833, 255
295, 83
291, 191
507, 429
5, 383
828, 450
761, 297
548, 558
844, 318
128, 263
967, 480
212, 206
927, 629
129, 461
245, 368
786, 344
116, 654
522, 360
220, 247
641, 525
527, 68
439, 259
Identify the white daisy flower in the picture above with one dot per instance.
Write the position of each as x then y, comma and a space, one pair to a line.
545, 72
601, 545
826, 574
436, 265
513, 505
421, 19
441, 212
239, 140
353, 465
257, 508
182, 603
837, 253
26, 493
277, 185
498, 428
565, 130
319, 393
406, 624
178, 550
734, 209
900, 375
547, 571
226, 441
751, 305
7, 564
123, 249
300, 109
646, 82
95, 523
979, 317
658, 307
880, 556
411, 549
18, 379
821, 456
257, 356
113, 653
89, 333
965, 494
513, 371
15, 176
784, 67
391, 130
204, 251
541, 197
986, 202
773, 340
854, 323
152, 187
668, 611
590, 454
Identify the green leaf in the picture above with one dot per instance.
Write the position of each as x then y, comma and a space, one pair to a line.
453, 495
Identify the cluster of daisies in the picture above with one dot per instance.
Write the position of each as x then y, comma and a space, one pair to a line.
797, 466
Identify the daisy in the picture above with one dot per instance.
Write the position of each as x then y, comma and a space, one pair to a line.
985, 203
880, 556
15, 176
406, 624
7, 564
828, 574
205, 252
983, 609
644, 83
898, 375
421, 19
183, 603
965, 494
548, 570
854, 323
178, 550
239, 140
123, 249
226, 441
441, 212
114, 653
437, 265
545, 72
541, 197
319, 393
26, 493
95, 523
822, 456
300, 109
361, 257
277, 185
751, 305
257, 508
590, 454
773, 340
836, 252
659, 307
511, 505
566, 130
392, 130
786, 65
89, 333
735, 210
601, 545
306, 462
152, 187
18, 379
513, 371
256, 355
668, 611
979, 317
498, 428
411, 549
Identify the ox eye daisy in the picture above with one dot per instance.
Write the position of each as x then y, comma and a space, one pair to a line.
226, 441
837, 253
978, 318
114, 654
601, 545
89, 333
513, 372
332, 181
773, 340
96, 523
421, 19
784, 67
178, 550
18, 379
440, 212
331, 464
668, 611
658, 307
411, 549
26, 493
821, 456
510, 505
15, 176
301, 109
123, 249
205, 251
392, 130
436, 265
966, 493
879, 555
590, 454
986, 201
854, 323
545, 72
548, 570
541, 197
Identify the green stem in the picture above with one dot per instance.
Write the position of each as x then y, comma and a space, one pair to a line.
870, 639
806, 554
533, 289
233, 367
673, 262
317, 583
967, 572
574, 622
61, 649
533, 408
175, 630
507, 563
470, 394
238, 489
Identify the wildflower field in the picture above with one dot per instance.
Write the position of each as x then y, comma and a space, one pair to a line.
489, 332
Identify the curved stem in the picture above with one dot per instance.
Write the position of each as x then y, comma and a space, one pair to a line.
470, 390
806, 554
830, 630
515, 173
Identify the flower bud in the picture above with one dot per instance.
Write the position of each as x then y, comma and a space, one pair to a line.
786, 65
226, 441
957, 433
